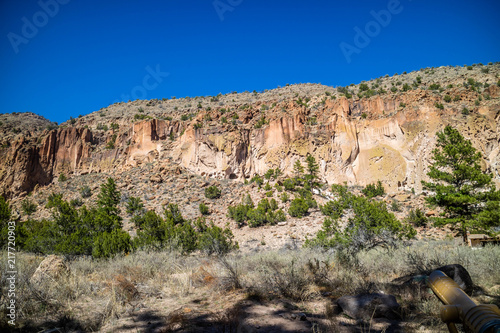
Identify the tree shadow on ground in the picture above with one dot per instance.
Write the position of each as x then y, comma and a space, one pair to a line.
64, 324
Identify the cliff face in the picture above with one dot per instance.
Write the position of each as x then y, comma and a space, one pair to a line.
394, 149
359, 141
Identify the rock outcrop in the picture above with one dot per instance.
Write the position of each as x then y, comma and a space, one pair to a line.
387, 137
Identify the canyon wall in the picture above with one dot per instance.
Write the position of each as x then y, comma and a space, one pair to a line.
353, 141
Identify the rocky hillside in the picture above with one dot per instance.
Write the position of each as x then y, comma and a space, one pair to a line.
171, 150
382, 129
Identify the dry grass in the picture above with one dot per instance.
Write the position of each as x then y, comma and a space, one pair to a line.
95, 292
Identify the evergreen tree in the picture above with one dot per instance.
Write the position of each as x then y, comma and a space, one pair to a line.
298, 169
107, 216
459, 185
312, 171
109, 198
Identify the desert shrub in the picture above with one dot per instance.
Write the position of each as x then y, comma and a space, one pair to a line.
263, 214
134, 204
284, 197
280, 216
153, 230
269, 174
290, 184
289, 280
102, 127
261, 122
306, 194
417, 218
171, 232
212, 192
273, 204
395, 206
434, 86
333, 209
239, 213
40, 236
28, 206
374, 190
76, 202
439, 106
111, 142
312, 121
85, 192
465, 111
138, 116
215, 240
173, 213
298, 208
111, 243
62, 178
203, 209
447, 98
257, 179
370, 224
267, 187
185, 237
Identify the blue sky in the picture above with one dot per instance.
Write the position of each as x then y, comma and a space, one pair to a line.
80, 56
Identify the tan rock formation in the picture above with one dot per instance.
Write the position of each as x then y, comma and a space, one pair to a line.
387, 137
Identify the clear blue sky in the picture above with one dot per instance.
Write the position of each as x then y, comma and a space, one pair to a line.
88, 54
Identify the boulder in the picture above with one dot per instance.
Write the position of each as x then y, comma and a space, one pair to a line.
52, 267
368, 306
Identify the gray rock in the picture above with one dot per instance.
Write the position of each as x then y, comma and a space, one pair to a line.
370, 305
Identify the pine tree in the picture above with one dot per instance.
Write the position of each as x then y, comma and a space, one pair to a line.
108, 217
312, 170
458, 184
298, 169
109, 198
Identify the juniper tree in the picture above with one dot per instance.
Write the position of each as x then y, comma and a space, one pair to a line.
107, 203
458, 184
298, 169
312, 171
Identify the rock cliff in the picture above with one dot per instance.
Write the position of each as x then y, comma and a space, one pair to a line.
358, 135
